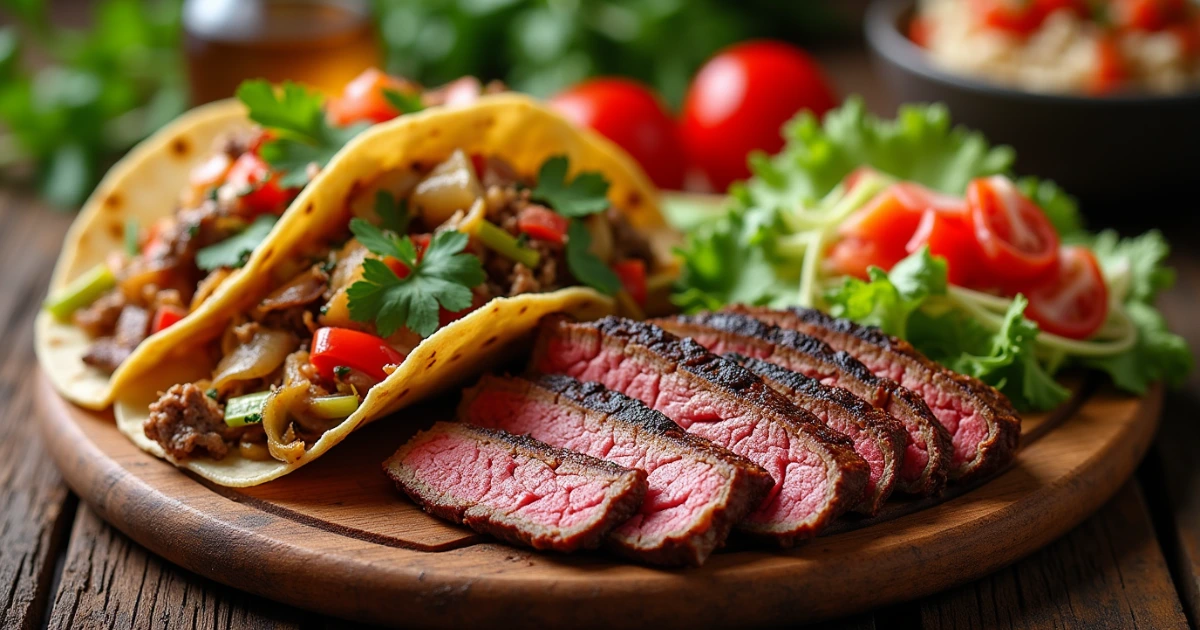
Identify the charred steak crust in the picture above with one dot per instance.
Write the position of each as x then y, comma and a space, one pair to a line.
886, 433
647, 434
907, 407
986, 453
846, 472
624, 488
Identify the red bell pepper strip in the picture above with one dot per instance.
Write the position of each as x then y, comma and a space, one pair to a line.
542, 224
165, 317
341, 347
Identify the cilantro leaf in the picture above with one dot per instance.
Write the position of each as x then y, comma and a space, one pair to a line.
584, 265
235, 250
585, 194
404, 102
393, 214
297, 116
443, 277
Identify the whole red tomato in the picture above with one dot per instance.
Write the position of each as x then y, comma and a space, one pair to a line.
739, 101
630, 115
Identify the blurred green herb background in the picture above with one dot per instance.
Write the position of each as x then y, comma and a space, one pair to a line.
74, 99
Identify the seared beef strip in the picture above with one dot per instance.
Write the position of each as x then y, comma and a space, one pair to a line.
984, 427
514, 487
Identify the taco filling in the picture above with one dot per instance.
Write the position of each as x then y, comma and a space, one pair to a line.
231, 203
421, 247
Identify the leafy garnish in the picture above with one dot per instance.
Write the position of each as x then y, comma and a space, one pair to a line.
584, 265
235, 250
297, 116
404, 102
132, 237
585, 194
443, 276
393, 214
888, 299
1061, 209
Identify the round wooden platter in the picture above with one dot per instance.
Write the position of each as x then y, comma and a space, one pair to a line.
335, 537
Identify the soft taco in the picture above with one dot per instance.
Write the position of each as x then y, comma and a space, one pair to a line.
178, 216
427, 250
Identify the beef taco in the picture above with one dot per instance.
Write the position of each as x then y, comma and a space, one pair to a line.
179, 216
426, 251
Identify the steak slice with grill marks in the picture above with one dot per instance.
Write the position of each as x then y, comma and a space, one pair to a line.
878, 438
927, 449
984, 428
697, 490
514, 487
818, 476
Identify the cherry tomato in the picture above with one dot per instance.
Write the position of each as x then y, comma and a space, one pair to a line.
740, 100
889, 220
1016, 241
1074, 301
630, 115
262, 192
335, 347
1111, 72
1148, 15
543, 224
852, 256
632, 273
166, 316
363, 100
948, 235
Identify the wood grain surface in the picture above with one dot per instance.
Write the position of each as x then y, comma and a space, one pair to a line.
38, 522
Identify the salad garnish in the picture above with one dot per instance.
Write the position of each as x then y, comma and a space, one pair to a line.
779, 242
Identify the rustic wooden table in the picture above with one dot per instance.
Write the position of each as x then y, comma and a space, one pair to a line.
1134, 564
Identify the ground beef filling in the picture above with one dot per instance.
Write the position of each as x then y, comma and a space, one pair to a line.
186, 422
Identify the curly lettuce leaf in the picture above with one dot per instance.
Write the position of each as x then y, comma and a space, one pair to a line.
1060, 208
888, 299
919, 145
1159, 354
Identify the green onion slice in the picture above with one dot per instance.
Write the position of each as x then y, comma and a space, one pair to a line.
246, 409
81, 291
333, 407
505, 244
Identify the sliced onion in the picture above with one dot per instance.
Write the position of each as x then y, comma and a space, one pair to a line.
260, 357
450, 187
281, 440
306, 287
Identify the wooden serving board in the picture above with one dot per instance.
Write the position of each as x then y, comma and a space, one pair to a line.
336, 537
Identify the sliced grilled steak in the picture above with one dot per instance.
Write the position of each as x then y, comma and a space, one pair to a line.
514, 487
927, 450
878, 438
984, 427
698, 490
817, 473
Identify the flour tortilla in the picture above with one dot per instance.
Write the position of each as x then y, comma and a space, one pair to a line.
510, 126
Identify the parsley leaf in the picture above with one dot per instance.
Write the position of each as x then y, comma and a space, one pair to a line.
404, 102
393, 214
585, 194
442, 277
584, 265
297, 115
235, 250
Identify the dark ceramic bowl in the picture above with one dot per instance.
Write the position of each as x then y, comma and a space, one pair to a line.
1110, 152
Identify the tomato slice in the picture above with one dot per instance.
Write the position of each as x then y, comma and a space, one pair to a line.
632, 273
1018, 17
337, 347
1074, 301
363, 99
262, 192
165, 317
889, 220
1016, 241
948, 235
543, 224
852, 256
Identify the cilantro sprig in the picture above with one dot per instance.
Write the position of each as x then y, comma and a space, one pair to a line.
404, 102
584, 265
443, 277
586, 194
296, 115
235, 250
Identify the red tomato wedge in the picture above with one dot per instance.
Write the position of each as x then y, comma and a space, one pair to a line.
948, 235
259, 187
543, 224
632, 273
165, 317
1017, 243
363, 100
889, 221
341, 347
1074, 301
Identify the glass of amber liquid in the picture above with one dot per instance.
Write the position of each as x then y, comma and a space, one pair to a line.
322, 43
